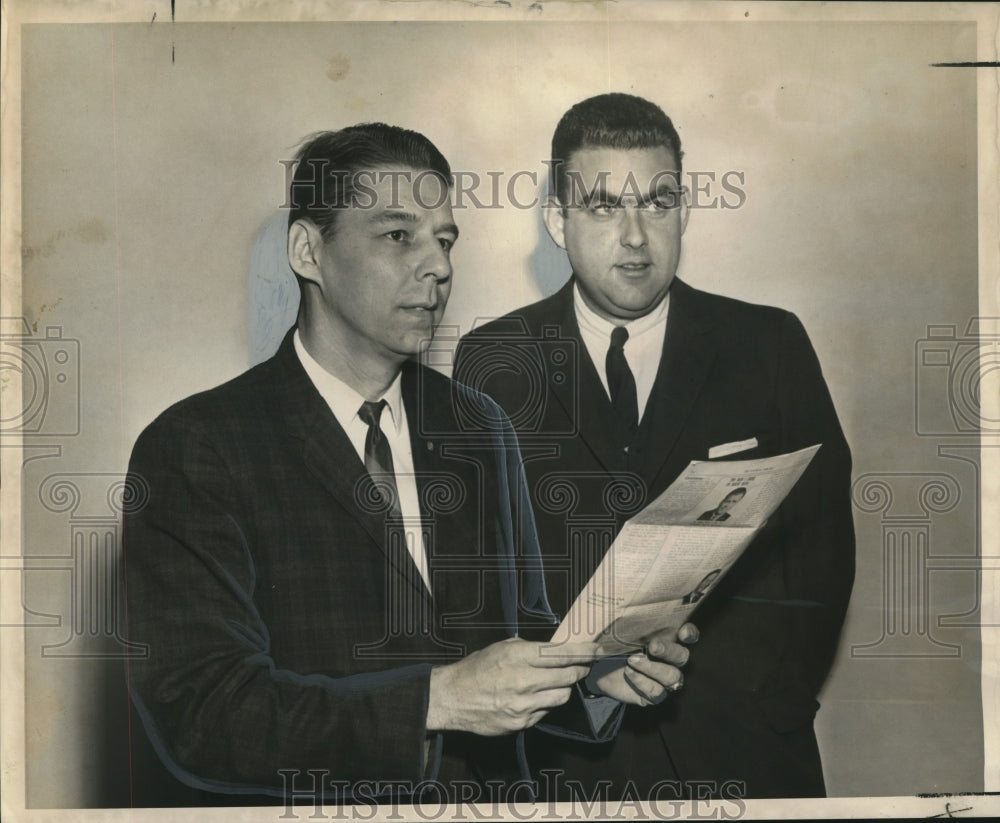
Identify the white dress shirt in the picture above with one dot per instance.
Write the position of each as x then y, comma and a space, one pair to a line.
643, 348
345, 402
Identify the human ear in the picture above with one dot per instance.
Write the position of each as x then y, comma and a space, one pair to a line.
305, 243
554, 217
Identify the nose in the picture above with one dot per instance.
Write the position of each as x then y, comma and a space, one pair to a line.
633, 231
435, 262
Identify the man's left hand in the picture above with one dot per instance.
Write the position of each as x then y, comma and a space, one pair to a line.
646, 678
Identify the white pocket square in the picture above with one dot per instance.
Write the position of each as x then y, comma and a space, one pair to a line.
731, 448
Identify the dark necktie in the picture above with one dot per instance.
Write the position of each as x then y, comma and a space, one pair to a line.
378, 457
621, 383
408, 614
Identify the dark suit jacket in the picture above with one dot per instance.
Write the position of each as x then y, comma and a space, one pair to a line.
286, 628
730, 371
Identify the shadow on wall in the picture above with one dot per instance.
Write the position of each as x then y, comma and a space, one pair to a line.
273, 290
549, 264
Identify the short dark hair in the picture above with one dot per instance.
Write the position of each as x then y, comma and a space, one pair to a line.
326, 165
740, 490
609, 121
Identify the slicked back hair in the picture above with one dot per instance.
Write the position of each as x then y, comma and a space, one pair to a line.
609, 121
328, 163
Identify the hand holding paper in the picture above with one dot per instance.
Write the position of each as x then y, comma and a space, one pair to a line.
505, 687
646, 678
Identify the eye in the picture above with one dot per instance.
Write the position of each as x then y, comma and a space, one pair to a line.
657, 208
398, 235
446, 243
604, 209
666, 202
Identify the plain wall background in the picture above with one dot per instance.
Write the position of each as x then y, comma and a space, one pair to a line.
147, 180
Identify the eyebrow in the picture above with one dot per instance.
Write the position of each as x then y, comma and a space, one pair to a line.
393, 216
599, 195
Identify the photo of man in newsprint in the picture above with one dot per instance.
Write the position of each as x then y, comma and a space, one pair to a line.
699, 591
332, 558
720, 513
633, 374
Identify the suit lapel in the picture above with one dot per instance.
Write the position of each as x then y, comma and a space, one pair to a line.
461, 499
443, 476
329, 454
583, 396
688, 354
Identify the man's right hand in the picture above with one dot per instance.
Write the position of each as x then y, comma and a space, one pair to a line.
505, 687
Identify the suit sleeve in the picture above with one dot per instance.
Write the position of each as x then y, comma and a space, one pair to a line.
815, 521
590, 719
220, 713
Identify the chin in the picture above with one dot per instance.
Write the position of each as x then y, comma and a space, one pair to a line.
634, 308
415, 345
642, 303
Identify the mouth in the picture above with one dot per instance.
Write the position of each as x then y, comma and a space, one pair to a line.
633, 267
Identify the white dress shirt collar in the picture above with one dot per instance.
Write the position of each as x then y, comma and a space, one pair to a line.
643, 349
344, 401
592, 322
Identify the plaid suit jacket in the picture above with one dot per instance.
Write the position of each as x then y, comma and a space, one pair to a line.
286, 628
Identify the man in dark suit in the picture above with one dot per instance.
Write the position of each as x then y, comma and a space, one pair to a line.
331, 557
617, 382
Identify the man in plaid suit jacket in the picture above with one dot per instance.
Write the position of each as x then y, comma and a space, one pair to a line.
313, 604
